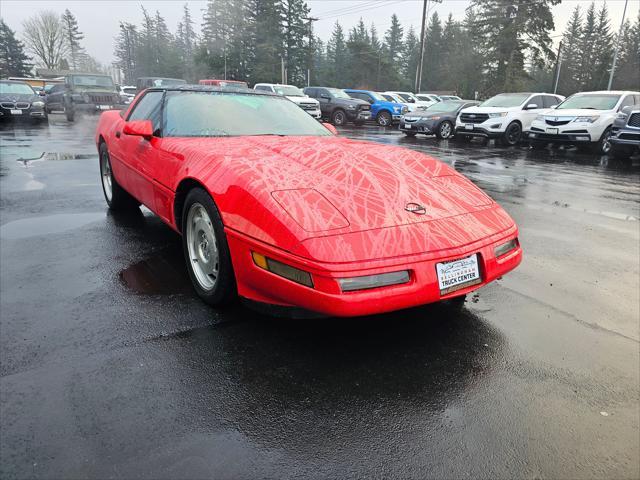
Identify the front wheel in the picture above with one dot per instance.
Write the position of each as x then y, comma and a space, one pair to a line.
205, 249
511, 135
117, 197
445, 130
384, 119
339, 118
604, 145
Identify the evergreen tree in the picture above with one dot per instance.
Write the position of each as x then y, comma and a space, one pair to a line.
451, 67
73, 35
569, 79
185, 43
472, 63
410, 59
267, 29
13, 60
361, 57
627, 73
586, 50
126, 49
432, 66
602, 51
296, 43
513, 30
336, 57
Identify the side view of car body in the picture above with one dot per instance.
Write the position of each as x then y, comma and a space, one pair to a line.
584, 119
338, 107
390, 97
297, 96
505, 116
428, 98
411, 99
439, 119
18, 101
383, 112
275, 208
625, 134
84, 93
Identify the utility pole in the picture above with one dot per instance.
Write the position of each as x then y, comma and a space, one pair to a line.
422, 35
615, 53
282, 81
558, 67
310, 51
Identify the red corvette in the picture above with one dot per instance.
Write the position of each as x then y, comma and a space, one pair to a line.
274, 207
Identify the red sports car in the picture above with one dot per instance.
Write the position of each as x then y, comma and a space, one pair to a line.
274, 207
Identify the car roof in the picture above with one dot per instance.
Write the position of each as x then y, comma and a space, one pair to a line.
612, 92
14, 81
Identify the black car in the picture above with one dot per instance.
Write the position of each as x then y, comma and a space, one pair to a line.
19, 101
625, 133
84, 92
338, 107
439, 119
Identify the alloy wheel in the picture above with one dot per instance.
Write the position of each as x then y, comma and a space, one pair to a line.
202, 247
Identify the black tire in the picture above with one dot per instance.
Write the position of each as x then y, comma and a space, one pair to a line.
410, 134
511, 135
603, 146
339, 117
621, 152
384, 119
120, 198
224, 289
445, 130
69, 113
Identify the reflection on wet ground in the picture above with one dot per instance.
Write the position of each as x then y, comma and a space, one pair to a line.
42, 226
163, 273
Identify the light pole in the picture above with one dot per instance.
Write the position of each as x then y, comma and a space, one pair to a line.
615, 53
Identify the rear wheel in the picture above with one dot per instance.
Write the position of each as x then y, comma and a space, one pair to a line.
117, 198
205, 249
339, 118
511, 135
445, 130
384, 119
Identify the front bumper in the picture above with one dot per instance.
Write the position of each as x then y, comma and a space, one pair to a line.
25, 113
420, 126
315, 113
578, 137
358, 115
97, 108
479, 131
326, 296
625, 136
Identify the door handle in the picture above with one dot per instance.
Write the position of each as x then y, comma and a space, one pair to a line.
118, 134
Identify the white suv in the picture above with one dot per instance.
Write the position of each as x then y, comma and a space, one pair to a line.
411, 99
308, 104
504, 117
584, 119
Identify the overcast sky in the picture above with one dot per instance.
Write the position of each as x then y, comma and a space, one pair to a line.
99, 19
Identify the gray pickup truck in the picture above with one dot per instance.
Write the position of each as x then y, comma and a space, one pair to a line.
625, 133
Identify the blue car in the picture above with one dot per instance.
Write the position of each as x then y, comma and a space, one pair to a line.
383, 112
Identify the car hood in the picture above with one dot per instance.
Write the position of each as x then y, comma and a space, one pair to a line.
305, 99
490, 109
574, 112
19, 97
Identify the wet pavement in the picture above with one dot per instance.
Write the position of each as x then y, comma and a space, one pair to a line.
110, 367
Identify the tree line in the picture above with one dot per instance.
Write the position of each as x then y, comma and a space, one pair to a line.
500, 45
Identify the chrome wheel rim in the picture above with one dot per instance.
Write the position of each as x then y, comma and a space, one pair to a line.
382, 120
339, 118
202, 247
606, 144
445, 130
107, 181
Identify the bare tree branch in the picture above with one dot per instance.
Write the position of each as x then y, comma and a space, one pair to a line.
44, 37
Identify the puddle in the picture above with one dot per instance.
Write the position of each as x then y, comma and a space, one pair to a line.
55, 156
162, 274
52, 224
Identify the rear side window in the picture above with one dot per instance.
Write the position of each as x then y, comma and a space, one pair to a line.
537, 100
264, 88
628, 100
149, 108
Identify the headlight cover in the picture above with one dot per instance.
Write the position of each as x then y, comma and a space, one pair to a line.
539, 118
587, 118
497, 114
351, 107
38, 104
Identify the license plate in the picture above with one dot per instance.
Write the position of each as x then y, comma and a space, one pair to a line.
407, 125
458, 274
16, 112
553, 131
104, 107
468, 126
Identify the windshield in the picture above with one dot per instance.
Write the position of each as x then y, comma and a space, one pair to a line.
405, 96
424, 98
206, 114
444, 106
377, 96
92, 81
16, 88
506, 100
388, 97
337, 93
288, 90
592, 102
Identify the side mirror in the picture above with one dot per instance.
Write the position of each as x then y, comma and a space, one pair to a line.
324, 96
411, 100
531, 106
139, 128
331, 128
41, 93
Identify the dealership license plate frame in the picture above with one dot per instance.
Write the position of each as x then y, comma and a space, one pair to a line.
447, 270
16, 111
552, 131
468, 126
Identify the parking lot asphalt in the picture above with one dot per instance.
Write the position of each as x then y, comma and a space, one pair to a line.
111, 367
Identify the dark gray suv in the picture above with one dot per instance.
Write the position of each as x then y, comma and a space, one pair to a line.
625, 133
338, 107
